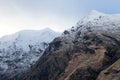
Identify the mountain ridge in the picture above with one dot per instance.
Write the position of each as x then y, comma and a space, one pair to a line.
82, 52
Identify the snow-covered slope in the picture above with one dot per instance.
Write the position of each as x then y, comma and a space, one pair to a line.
26, 37
101, 21
20, 50
96, 22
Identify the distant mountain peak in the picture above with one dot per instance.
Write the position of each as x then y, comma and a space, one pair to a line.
95, 12
47, 28
27, 46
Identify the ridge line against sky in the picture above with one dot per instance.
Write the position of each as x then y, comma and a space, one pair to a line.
16, 15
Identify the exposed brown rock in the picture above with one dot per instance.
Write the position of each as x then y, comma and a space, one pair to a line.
111, 73
81, 59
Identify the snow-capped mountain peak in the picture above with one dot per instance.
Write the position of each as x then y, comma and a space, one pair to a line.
93, 15
27, 37
95, 22
100, 21
94, 12
18, 51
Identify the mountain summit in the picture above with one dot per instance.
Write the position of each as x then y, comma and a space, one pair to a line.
101, 20
89, 48
21, 50
28, 37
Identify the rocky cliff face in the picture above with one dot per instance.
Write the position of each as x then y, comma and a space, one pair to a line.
85, 52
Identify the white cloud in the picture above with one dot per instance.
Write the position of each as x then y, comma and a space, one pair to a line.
10, 23
13, 18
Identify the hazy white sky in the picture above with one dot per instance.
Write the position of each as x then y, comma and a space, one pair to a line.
16, 15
